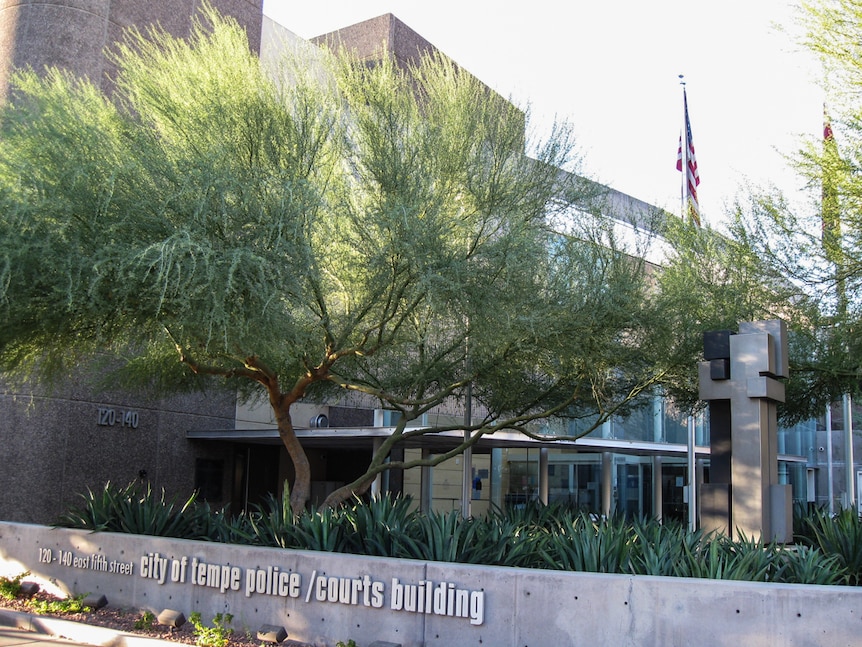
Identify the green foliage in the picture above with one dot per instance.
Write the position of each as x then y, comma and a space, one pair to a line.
445, 537
806, 565
218, 635
796, 256
272, 523
349, 643
838, 536
218, 525
310, 226
505, 541
73, 604
582, 543
713, 281
145, 621
380, 527
321, 530
828, 549
137, 509
719, 557
658, 547
10, 587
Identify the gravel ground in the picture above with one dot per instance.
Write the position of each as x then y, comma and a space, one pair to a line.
125, 620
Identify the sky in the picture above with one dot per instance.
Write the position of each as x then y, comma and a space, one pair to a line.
611, 68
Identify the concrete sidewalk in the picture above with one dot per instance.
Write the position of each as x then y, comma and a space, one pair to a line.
29, 630
13, 637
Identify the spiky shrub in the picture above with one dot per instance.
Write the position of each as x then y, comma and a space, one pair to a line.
445, 537
134, 509
220, 526
581, 542
501, 541
808, 565
380, 526
716, 556
839, 535
657, 547
532, 536
322, 530
98, 510
272, 523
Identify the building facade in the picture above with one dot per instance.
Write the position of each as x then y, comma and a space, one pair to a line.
58, 443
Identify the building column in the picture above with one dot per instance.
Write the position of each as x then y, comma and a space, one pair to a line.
657, 493
692, 474
543, 475
849, 469
496, 480
425, 483
377, 483
607, 484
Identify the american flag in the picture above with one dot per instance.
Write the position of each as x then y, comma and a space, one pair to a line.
692, 179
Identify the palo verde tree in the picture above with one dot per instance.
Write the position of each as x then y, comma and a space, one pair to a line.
800, 257
711, 281
315, 228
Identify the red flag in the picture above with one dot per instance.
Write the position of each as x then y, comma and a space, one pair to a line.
691, 179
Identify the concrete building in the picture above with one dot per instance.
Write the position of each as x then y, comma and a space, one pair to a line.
73, 34
59, 443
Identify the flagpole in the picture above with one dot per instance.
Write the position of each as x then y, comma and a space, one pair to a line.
691, 455
684, 197
687, 164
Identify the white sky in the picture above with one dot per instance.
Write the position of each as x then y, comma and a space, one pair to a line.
611, 68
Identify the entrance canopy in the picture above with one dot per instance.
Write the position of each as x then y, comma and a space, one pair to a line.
363, 437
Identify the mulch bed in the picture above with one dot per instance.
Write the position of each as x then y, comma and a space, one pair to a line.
124, 620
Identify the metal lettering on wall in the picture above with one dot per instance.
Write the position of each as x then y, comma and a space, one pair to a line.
423, 597
117, 418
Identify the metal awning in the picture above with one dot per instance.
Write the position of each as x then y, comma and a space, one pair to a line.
363, 437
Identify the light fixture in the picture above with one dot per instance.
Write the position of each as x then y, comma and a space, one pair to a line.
272, 634
171, 618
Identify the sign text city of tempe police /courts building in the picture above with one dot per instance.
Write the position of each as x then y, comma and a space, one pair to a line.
425, 596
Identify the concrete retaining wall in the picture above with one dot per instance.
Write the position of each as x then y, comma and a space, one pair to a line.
321, 598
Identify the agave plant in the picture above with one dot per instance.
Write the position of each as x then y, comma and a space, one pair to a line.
321, 530
657, 547
828, 550
379, 527
444, 537
220, 526
719, 557
807, 565
98, 510
584, 543
134, 509
148, 513
501, 541
272, 523
839, 535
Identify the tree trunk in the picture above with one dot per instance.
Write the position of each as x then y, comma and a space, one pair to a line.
301, 488
339, 496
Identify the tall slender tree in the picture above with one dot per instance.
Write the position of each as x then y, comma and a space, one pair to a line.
797, 257
312, 229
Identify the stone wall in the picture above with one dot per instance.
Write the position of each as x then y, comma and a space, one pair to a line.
323, 598
59, 442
